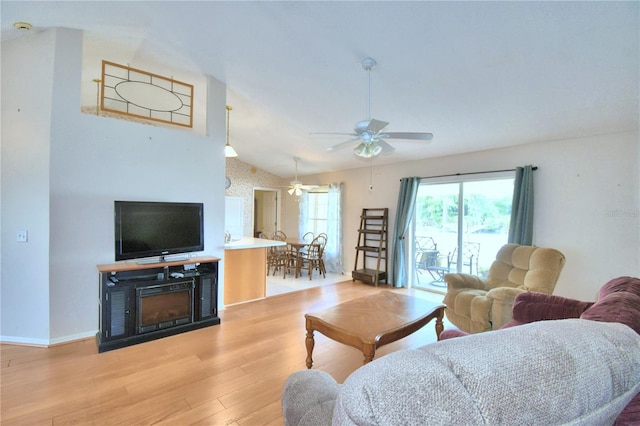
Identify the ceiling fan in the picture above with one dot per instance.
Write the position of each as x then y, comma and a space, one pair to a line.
296, 186
369, 132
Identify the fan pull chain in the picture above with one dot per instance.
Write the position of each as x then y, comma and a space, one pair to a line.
371, 176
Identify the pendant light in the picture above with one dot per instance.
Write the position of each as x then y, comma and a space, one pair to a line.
228, 149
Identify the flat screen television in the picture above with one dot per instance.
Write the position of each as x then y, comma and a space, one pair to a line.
146, 229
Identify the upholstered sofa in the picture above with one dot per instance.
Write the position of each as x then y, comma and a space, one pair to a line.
618, 301
584, 370
475, 305
571, 371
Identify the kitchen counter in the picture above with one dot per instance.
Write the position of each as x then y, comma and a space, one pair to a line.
249, 243
245, 269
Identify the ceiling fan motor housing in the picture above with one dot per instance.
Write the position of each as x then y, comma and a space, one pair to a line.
361, 126
368, 64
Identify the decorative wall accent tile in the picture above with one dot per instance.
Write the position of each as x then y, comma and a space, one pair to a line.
244, 177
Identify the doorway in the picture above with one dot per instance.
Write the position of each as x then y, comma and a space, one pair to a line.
459, 225
266, 211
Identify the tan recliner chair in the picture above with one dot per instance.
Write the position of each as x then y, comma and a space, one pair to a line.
475, 305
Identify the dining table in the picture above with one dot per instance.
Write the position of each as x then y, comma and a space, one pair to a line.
296, 246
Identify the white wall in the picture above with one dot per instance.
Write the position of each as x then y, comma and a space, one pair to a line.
67, 202
587, 201
26, 113
290, 214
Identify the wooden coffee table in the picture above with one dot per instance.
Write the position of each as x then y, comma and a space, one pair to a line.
373, 321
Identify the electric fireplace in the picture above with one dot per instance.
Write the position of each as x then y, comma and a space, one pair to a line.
164, 306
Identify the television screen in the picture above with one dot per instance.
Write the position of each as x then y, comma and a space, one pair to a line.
146, 229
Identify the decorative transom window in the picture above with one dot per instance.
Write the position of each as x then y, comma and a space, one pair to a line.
138, 93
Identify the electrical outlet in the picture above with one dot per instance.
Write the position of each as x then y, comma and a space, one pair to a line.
22, 236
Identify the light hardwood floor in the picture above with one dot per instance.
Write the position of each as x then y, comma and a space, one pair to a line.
230, 374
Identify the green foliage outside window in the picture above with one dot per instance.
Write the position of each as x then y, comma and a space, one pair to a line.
481, 213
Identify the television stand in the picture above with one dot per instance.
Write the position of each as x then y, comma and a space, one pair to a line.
143, 302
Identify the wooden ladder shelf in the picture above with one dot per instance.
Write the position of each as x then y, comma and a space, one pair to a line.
371, 252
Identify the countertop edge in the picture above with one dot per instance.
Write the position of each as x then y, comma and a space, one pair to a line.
249, 243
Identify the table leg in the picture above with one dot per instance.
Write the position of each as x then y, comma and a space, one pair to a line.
439, 324
298, 262
309, 342
369, 351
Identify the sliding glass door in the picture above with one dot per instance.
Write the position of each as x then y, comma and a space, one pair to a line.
459, 225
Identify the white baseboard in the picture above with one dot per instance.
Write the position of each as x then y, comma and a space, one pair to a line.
73, 337
24, 341
47, 342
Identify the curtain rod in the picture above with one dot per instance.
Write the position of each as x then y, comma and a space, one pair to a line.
473, 173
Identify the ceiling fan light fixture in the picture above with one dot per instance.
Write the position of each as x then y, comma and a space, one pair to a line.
296, 187
367, 150
229, 152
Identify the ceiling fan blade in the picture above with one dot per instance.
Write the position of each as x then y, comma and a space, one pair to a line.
342, 144
333, 133
408, 136
376, 125
385, 146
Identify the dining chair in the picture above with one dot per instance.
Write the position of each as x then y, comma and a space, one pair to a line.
264, 236
281, 260
275, 255
314, 257
307, 238
280, 236
271, 259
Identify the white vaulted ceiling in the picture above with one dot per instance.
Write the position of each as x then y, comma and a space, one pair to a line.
478, 75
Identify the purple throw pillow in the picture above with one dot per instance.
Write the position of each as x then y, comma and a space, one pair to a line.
628, 284
621, 306
531, 306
